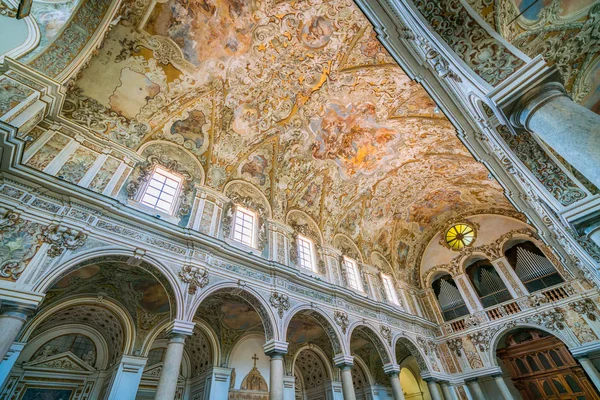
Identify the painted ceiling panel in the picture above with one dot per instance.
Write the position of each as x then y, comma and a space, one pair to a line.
297, 97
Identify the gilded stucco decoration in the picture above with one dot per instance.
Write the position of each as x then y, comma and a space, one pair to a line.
300, 101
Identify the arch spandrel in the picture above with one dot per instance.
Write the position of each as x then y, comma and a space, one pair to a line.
413, 350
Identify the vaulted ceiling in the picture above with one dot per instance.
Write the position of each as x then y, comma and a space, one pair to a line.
297, 97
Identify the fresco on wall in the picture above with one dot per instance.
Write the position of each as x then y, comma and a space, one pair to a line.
133, 286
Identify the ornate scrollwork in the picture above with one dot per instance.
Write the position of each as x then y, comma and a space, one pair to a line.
456, 345
341, 319
281, 302
585, 307
551, 319
481, 339
195, 277
61, 239
386, 332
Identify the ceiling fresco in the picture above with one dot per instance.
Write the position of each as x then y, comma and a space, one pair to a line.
296, 97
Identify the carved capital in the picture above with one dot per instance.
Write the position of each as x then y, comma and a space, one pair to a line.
533, 100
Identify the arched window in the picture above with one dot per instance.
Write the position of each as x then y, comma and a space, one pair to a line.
80, 345
306, 254
489, 286
390, 289
162, 190
353, 274
451, 302
244, 226
532, 267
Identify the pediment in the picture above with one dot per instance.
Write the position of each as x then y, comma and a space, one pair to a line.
66, 361
155, 370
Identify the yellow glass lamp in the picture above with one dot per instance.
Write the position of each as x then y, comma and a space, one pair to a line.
459, 236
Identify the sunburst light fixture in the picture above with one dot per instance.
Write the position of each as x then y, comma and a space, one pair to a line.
459, 236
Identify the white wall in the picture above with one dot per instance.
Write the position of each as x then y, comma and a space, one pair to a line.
241, 358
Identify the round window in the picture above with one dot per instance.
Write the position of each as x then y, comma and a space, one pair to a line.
459, 236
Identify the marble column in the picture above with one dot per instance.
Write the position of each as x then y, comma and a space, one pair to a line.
504, 390
345, 363
449, 392
12, 318
167, 383
572, 130
591, 370
434, 389
276, 350
393, 371
475, 388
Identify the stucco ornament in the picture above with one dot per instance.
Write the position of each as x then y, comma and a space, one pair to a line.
18, 244
195, 277
585, 307
456, 345
386, 332
61, 239
481, 339
341, 319
281, 302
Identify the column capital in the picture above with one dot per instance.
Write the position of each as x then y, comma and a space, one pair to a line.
275, 347
391, 369
532, 100
180, 328
343, 360
17, 310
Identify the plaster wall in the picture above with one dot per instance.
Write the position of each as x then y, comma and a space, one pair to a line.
241, 359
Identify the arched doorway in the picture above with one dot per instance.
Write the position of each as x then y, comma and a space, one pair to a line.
241, 325
312, 346
542, 367
93, 320
370, 355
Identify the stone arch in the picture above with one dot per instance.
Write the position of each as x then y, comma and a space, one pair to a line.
495, 338
240, 191
121, 314
360, 363
151, 265
433, 273
192, 165
378, 260
375, 337
305, 225
408, 343
347, 246
466, 260
320, 354
324, 320
249, 295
